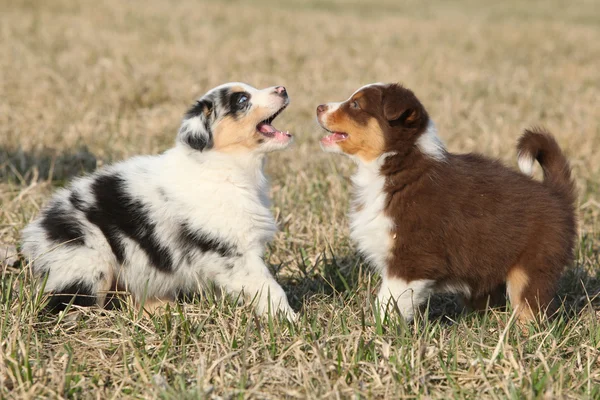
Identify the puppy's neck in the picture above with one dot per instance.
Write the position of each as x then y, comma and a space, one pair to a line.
396, 169
248, 165
417, 158
372, 166
369, 171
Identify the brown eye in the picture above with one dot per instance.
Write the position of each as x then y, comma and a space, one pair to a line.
355, 104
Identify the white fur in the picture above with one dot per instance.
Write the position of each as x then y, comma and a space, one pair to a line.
456, 288
406, 296
221, 194
331, 107
263, 98
526, 163
430, 144
242, 85
190, 125
331, 148
370, 228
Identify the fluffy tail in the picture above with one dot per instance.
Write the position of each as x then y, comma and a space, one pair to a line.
537, 144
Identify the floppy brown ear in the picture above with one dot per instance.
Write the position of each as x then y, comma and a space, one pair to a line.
392, 109
398, 114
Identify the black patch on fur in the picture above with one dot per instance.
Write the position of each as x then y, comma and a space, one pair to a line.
76, 201
116, 213
81, 291
194, 239
236, 107
229, 102
207, 127
62, 227
203, 109
200, 109
197, 142
223, 96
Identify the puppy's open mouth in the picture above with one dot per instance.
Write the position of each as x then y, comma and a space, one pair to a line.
333, 137
266, 128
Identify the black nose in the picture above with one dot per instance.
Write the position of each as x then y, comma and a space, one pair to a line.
281, 90
321, 108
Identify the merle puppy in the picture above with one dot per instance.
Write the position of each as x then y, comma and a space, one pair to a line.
161, 226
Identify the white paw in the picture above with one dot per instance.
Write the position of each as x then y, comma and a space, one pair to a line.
290, 315
389, 307
278, 309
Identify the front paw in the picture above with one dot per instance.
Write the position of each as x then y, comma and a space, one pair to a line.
283, 310
290, 315
387, 306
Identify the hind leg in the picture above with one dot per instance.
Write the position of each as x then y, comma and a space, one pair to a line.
530, 294
74, 273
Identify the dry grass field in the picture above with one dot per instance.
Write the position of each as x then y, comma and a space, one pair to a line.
85, 83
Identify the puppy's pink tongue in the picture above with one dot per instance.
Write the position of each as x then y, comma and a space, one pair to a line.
266, 128
334, 137
272, 132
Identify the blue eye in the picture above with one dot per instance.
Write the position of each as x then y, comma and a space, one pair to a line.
242, 99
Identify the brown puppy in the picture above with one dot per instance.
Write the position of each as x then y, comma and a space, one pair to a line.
431, 221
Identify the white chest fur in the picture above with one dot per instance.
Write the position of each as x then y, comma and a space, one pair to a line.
370, 228
223, 196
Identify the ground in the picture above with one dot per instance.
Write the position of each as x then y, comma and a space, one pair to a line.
87, 83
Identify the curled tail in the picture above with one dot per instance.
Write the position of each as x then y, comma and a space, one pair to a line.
537, 144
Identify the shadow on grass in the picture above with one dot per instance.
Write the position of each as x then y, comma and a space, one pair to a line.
340, 278
343, 277
19, 166
328, 276
578, 290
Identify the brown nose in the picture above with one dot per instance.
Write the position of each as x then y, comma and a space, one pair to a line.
321, 109
281, 90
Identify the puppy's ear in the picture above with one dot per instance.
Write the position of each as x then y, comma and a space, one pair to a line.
400, 106
398, 115
196, 128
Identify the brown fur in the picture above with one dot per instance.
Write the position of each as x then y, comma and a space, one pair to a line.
517, 284
469, 219
366, 142
240, 135
366, 139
